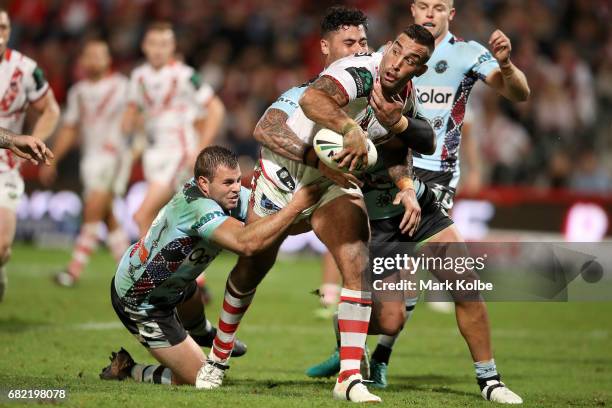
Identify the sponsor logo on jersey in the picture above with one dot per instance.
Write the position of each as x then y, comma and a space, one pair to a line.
441, 66
435, 97
206, 218
363, 80
437, 122
268, 205
285, 178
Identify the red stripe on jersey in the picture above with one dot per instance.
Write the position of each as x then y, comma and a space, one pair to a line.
355, 300
8, 53
263, 170
105, 101
171, 93
339, 86
227, 328
353, 326
10, 159
233, 309
351, 353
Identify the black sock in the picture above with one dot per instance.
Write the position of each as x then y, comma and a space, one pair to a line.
381, 354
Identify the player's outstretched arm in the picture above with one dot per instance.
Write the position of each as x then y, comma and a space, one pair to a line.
259, 235
322, 103
50, 113
509, 81
26, 147
212, 123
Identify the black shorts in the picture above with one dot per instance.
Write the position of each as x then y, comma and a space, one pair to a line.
155, 328
433, 220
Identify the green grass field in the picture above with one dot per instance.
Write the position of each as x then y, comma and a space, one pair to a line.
553, 355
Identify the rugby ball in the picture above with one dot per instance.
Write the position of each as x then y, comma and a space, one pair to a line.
328, 143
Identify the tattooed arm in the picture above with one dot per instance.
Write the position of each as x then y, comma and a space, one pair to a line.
401, 172
26, 147
322, 103
6, 138
273, 133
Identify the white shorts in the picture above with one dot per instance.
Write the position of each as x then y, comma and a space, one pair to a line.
268, 199
106, 171
11, 189
172, 168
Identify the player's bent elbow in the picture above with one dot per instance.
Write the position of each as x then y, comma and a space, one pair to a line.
258, 134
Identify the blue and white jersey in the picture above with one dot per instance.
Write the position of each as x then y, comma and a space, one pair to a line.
155, 271
443, 92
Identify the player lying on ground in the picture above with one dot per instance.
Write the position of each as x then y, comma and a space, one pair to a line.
154, 291
26, 147
93, 115
340, 218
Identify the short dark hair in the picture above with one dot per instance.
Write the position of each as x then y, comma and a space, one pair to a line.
338, 16
211, 158
421, 35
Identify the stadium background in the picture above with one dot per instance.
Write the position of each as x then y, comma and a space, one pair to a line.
555, 185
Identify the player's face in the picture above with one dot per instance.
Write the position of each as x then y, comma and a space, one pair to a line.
403, 60
95, 59
158, 47
5, 31
434, 15
345, 41
224, 187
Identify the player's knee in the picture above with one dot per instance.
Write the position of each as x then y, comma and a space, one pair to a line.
392, 324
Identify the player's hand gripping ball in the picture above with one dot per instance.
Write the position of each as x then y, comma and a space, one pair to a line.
328, 144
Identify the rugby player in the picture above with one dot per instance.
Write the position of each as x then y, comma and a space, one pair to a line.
26, 147
154, 291
443, 92
22, 84
339, 219
171, 97
93, 113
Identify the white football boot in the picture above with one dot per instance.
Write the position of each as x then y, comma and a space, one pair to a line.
496, 391
210, 375
353, 389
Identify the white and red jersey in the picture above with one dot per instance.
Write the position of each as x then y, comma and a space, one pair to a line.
96, 108
171, 98
355, 76
21, 83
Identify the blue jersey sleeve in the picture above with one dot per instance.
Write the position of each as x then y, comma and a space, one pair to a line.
210, 217
481, 59
288, 102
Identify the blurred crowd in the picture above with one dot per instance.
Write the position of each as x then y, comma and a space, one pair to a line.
251, 51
